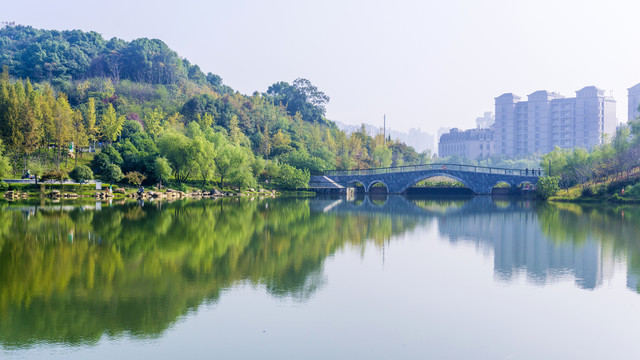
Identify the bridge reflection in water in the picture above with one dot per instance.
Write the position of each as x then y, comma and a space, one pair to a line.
522, 235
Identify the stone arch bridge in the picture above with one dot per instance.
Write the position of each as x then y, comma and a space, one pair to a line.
397, 180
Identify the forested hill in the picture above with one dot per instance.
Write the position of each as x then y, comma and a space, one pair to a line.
43, 55
59, 87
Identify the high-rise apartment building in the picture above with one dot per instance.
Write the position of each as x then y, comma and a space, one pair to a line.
548, 119
634, 102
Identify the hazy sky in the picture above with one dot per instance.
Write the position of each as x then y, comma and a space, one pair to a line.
425, 64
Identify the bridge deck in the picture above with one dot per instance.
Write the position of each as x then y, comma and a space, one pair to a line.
424, 167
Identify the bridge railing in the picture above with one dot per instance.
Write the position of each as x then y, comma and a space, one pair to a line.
423, 167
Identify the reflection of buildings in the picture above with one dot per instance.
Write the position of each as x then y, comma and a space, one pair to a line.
544, 244
633, 280
519, 244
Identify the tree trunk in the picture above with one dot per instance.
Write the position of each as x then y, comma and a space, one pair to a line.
58, 159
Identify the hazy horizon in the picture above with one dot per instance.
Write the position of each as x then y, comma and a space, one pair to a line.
424, 64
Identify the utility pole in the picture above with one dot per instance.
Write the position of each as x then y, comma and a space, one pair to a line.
384, 129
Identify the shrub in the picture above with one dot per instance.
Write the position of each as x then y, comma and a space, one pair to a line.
135, 178
100, 163
587, 192
55, 175
81, 174
290, 178
632, 191
161, 170
547, 187
112, 174
113, 154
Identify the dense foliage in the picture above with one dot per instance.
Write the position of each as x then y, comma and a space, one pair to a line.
149, 109
547, 186
81, 174
58, 56
615, 162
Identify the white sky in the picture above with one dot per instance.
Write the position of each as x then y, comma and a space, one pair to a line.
425, 64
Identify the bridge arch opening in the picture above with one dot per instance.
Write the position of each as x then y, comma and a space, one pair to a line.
439, 184
526, 187
378, 187
501, 188
359, 186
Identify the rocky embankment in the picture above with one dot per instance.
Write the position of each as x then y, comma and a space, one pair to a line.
168, 194
176, 194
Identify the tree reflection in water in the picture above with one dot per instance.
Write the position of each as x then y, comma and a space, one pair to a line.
71, 275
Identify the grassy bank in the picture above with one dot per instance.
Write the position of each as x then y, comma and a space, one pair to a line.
615, 190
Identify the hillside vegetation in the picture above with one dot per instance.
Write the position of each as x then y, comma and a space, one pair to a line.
147, 110
609, 171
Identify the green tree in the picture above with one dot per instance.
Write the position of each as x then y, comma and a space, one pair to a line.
135, 178
100, 163
547, 187
37, 168
81, 174
78, 134
554, 162
32, 127
90, 119
290, 178
62, 126
233, 164
162, 170
301, 97
381, 155
180, 152
153, 122
206, 154
110, 125
112, 174
5, 163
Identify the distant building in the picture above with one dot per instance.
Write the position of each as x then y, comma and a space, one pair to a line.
486, 121
441, 131
473, 144
548, 120
634, 102
420, 140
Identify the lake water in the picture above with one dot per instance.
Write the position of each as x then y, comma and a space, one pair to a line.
374, 278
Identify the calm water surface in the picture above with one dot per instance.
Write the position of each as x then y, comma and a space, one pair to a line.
375, 278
